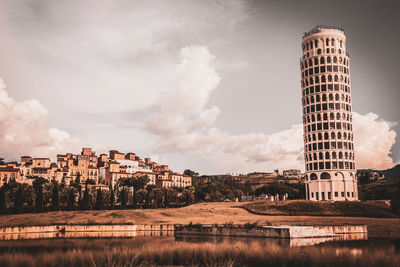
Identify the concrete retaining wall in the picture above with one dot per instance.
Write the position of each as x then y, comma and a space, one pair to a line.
79, 231
344, 229
54, 231
271, 231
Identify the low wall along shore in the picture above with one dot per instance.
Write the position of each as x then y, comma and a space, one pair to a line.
74, 231
77, 231
272, 231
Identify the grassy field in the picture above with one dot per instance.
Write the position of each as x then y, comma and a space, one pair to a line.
312, 208
206, 213
166, 252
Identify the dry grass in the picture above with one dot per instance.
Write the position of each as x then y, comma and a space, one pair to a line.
165, 251
206, 213
312, 208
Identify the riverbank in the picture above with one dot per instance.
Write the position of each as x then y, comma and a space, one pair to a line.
166, 251
204, 213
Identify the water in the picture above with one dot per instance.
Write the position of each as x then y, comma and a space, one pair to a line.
354, 247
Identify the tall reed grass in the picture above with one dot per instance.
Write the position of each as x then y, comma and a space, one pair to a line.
166, 251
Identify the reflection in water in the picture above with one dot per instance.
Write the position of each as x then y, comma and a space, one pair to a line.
283, 242
106, 234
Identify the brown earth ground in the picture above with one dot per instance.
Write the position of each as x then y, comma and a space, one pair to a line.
205, 213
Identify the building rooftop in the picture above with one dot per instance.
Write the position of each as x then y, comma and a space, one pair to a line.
318, 28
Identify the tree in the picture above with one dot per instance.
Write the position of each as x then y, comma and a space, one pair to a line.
78, 178
123, 198
136, 183
63, 182
55, 197
247, 188
19, 200
148, 196
141, 196
2, 199
85, 203
99, 200
157, 196
187, 196
71, 199
90, 181
191, 173
135, 199
112, 198
39, 201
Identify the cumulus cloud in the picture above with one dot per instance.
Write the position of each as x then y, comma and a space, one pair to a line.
186, 123
24, 131
373, 140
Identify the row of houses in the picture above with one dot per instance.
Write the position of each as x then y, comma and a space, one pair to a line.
103, 170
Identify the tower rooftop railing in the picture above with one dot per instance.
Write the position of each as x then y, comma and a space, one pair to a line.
318, 28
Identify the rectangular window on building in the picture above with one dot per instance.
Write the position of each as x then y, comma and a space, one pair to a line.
310, 71
318, 107
322, 69
316, 194
320, 145
321, 165
323, 87
336, 194
348, 194
329, 195
316, 70
340, 164
340, 145
323, 195
342, 194
312, 194
325, 126
328, 165
330, 86
317, 89
333, 145
334, 165
326, 145
319, 126
336, 87
352, 194
315, 166
329, 68
335, 68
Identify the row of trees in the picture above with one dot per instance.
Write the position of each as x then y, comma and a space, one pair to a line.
52, 196
129, 193
219, 189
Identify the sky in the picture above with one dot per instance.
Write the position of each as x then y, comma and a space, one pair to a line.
208, 85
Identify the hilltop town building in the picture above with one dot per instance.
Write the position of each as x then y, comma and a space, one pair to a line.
102, 171
327, 116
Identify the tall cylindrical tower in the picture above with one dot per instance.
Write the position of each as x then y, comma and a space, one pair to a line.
327, 116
